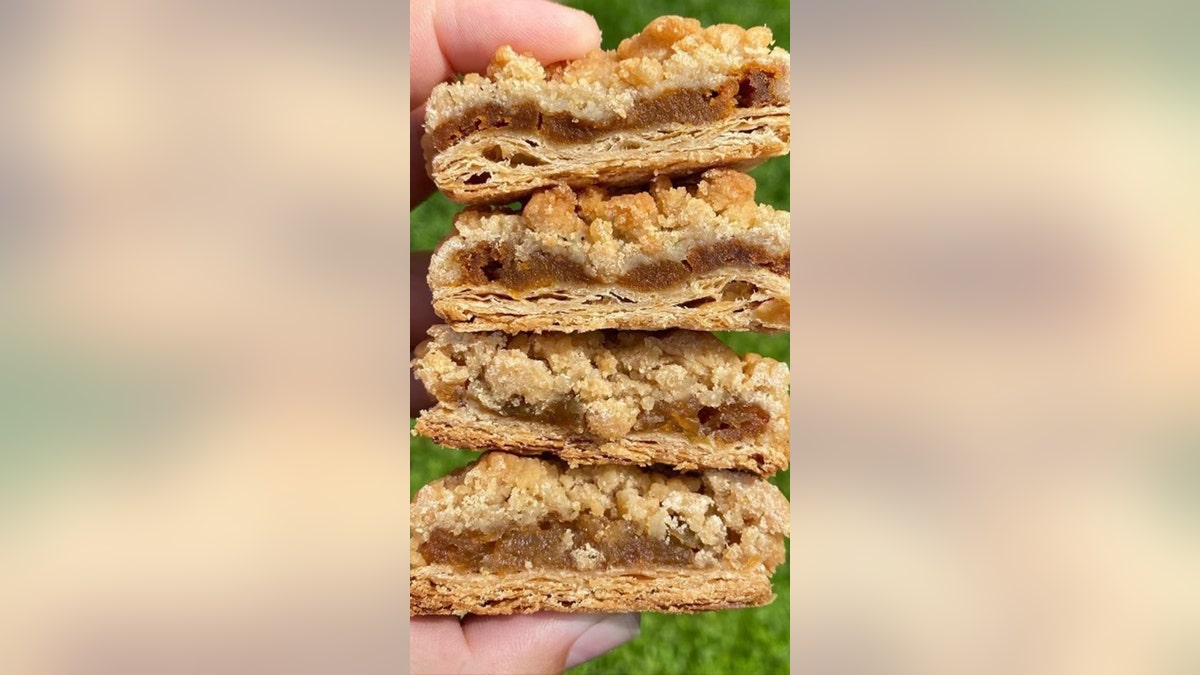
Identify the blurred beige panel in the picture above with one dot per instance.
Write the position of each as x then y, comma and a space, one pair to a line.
995, 367
218, 205
220, 177
265, 540
922, 185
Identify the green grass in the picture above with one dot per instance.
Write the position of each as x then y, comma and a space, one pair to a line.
738, 641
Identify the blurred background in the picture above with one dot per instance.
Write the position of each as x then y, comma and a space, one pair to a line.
996, 466
199, 372
737, 641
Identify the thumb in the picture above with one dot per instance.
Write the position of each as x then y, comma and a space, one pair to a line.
545, 642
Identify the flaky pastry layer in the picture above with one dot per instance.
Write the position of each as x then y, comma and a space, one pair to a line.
441, 590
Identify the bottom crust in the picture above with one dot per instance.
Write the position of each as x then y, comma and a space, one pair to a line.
703, 304
465, 429
438, 589
466, 174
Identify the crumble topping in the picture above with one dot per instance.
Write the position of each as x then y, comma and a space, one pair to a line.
610, 383
603, 234
628, 517
671, 53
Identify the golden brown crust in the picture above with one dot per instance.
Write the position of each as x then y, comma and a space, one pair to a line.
469, 429
498, 166
440, 590
736, 300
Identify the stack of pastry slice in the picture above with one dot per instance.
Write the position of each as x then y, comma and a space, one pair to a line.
626, 449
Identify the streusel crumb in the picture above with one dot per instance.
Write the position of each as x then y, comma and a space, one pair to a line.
610, 383
726, 518
608, 232
670, 53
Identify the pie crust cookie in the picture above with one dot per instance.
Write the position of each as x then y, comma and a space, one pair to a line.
674, 99
512, 534
698, 254
677, 398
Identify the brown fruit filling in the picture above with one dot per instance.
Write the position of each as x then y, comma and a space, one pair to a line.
733, 422
485, 263
621, 543
754, 88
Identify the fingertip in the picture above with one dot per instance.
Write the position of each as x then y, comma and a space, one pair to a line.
470, 31
584, 27
546, 641
603, 637
436, 645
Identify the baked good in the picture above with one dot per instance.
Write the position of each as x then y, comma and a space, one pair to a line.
674, 99
512, 534
678, 398
700, 255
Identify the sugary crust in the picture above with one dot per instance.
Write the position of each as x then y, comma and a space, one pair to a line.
670, 53
470, 429
735, 300
498, 165
613, 380
440, 590
609, 232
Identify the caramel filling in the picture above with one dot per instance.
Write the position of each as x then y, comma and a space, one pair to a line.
547, 546
485, 263
754, 88
729, 423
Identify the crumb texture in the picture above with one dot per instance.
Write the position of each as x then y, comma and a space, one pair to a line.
608, 382
731, 521
671, 53
604, 235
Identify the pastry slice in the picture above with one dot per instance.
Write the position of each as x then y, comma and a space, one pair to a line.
673, 99
512, 534
677, 398
700, 255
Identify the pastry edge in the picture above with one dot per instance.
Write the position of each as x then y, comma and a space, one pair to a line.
438, 589
464, 429
740, 142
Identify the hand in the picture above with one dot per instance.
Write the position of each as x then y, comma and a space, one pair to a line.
460, 36
521, 643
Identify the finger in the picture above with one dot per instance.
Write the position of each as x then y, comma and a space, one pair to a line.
436, 645
420, 184
545, 642
460, 36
